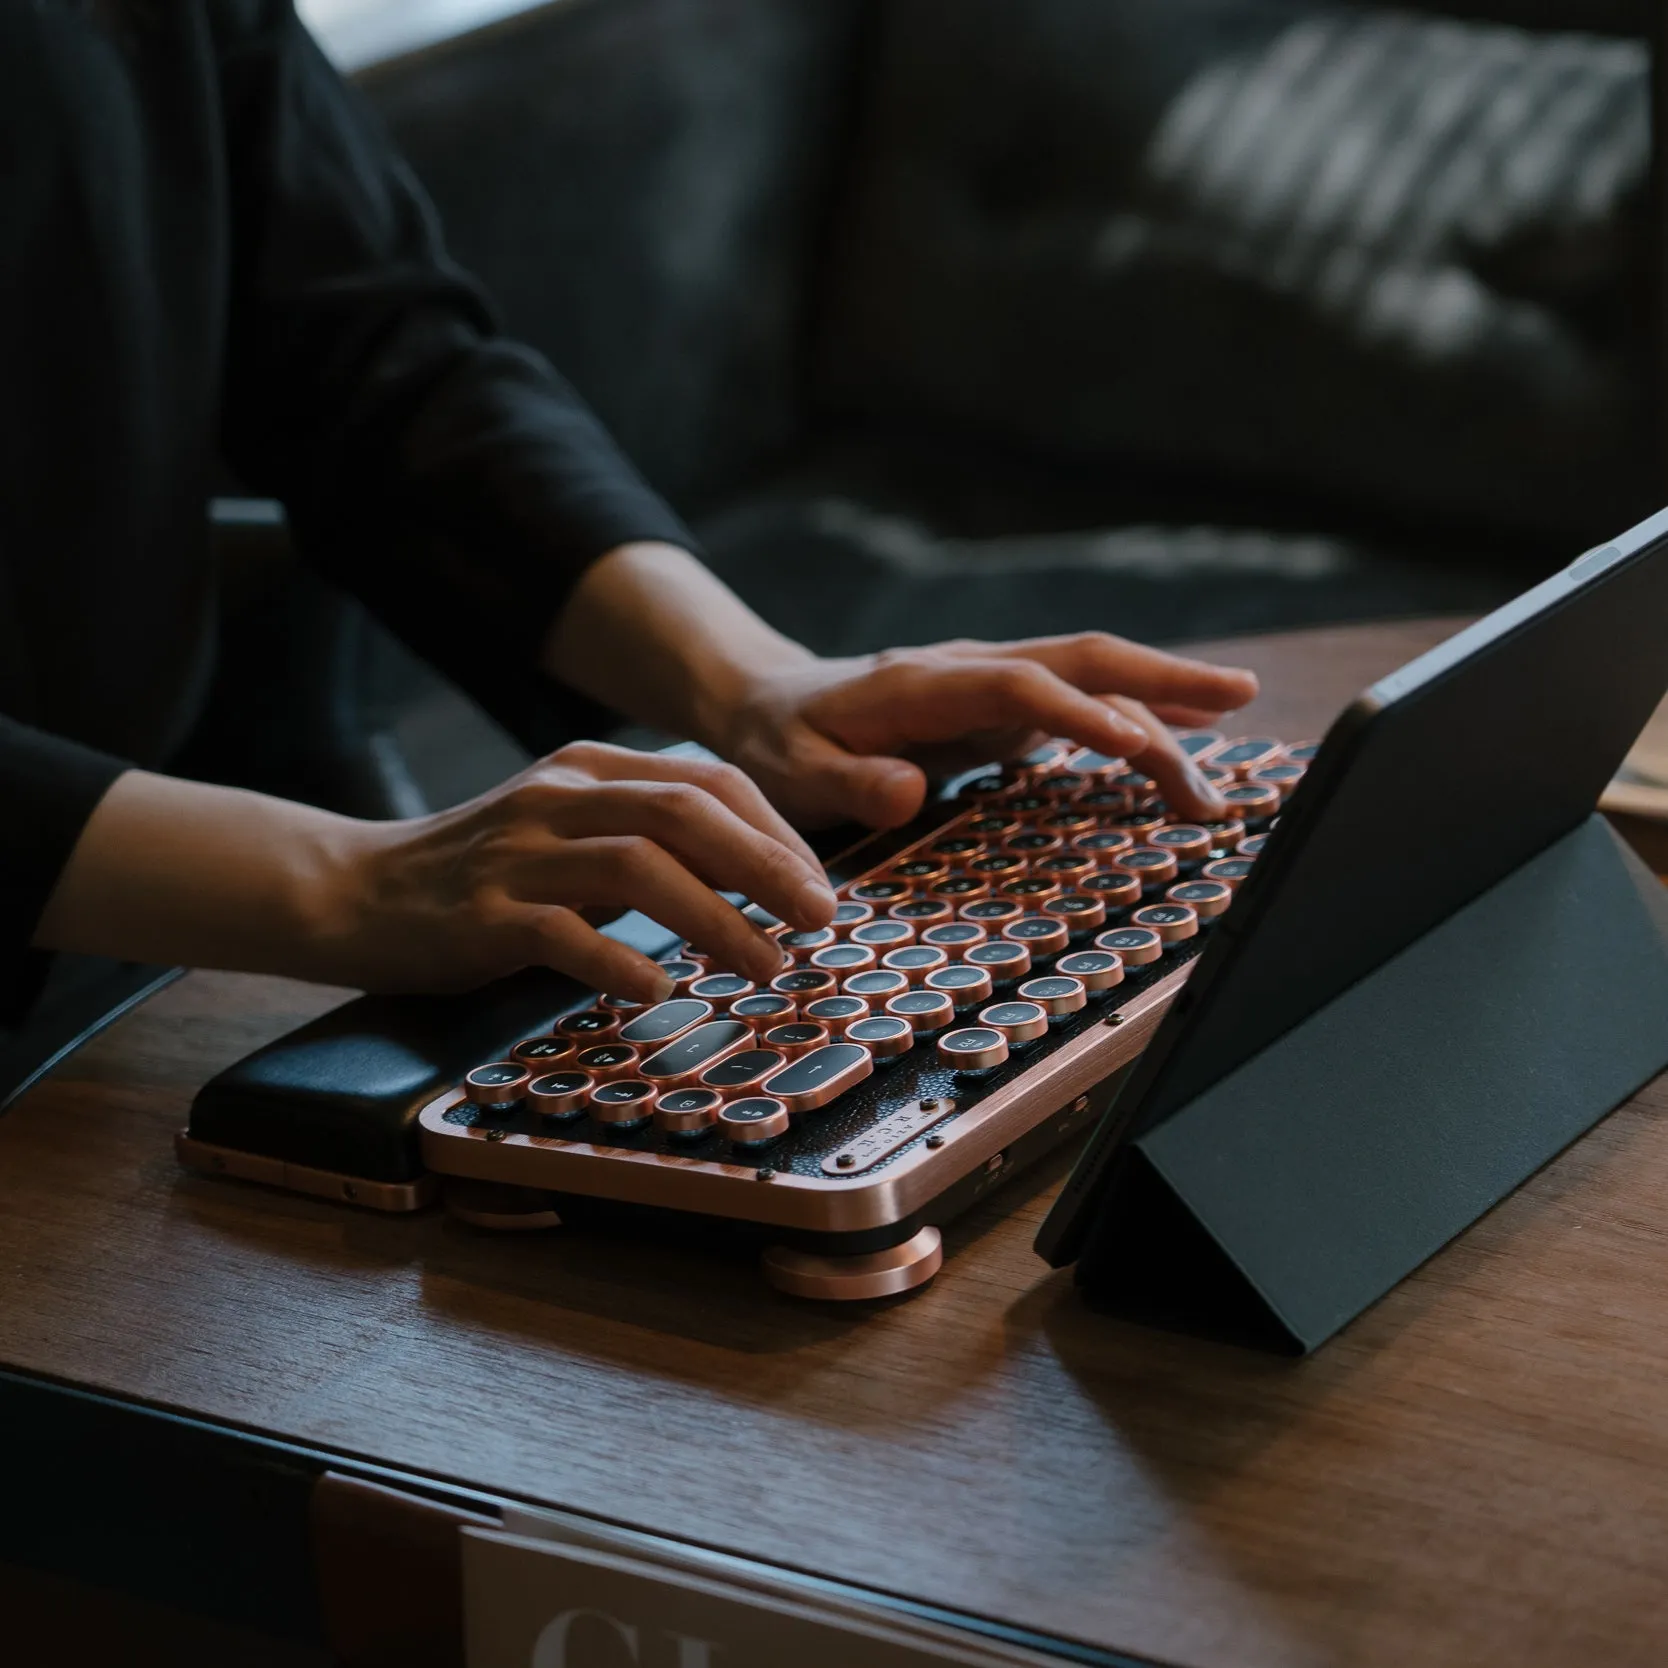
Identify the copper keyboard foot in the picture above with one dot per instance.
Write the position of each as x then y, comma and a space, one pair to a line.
498, 1206
900, 1268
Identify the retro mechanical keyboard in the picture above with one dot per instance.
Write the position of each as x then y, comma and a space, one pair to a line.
988, 975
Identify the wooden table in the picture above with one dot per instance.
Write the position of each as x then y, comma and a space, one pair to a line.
1475, 1472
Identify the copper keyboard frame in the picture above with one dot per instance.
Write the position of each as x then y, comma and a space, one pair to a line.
900, 1189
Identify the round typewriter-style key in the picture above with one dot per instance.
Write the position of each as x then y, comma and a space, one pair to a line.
1099, 971
560, 1094
915, 961
667, 1021
764, 1010
954, 936
973, 1051
679, 1064
1206, 898
960, 889
1230, 870
1199, 744
1139, 824
1116, 889
993, 825
626, 1103
1246, 754
1028, 805
1032, 844
1224, 834
543, 1053
1061, 785
849, 915
1104, 846
886, 1037
999, 866
1283, 778
1042, 935
1002, 959
920, 872
1105, 803
1082, 912
927, 1011
621, 1004
1065, 866
883, 935
687, 1112
683, 972
1068, 823
589, 1025
1251, 846
1134, 946
754, 1122
877, 987
880, 893
721, 989
1172, 922
957, 849
793, 1041
836, 1012
1217, 778
840, 959
965, 986
1252, 802
803, 945
499, 1084
741, 1073
1135, 783
991, 912
1301, 752
1185, 841
1059, 995
995, 783
1087, 762
1151, 866
1031, 891
804, 984
608, 1062
824, 1074
1019, 1022
921, 912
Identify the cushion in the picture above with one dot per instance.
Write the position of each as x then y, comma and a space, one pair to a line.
1393, 261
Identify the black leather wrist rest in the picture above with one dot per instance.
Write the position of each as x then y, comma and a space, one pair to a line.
343, 1092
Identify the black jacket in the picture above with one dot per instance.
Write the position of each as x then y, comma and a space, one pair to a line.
208, 253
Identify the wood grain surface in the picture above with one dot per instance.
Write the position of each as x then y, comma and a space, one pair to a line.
1476, 1472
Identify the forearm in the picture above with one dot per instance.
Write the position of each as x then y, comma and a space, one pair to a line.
179, 872
654, 635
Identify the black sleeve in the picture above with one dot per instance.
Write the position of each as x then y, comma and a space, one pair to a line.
447, 476
51, 786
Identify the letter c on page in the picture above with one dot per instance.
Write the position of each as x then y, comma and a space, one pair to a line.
550, 1650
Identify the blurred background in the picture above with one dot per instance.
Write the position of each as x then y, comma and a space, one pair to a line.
994, 317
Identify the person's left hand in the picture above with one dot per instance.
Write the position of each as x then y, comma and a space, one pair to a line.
833, 741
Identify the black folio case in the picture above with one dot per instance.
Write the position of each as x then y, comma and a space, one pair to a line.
1443, 970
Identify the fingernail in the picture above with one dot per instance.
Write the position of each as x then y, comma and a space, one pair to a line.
661, 988
1206, 788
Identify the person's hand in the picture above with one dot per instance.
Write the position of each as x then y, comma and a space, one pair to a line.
855, 740
515, 877
170, 871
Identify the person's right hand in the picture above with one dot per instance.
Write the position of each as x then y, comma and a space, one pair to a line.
515, 877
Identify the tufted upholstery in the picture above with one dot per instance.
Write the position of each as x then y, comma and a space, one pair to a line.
1397, 261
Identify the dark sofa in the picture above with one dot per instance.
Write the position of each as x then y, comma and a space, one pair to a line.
1174, 316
